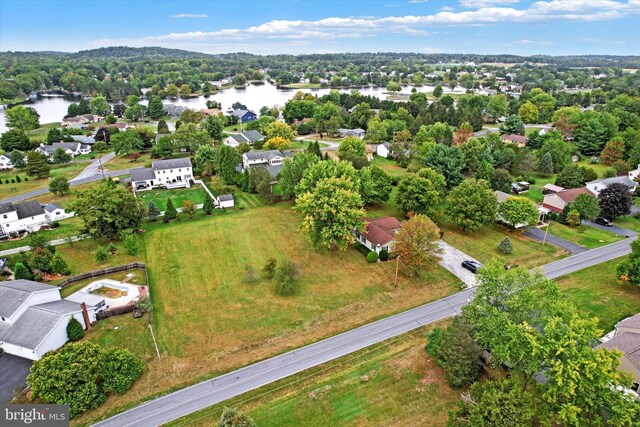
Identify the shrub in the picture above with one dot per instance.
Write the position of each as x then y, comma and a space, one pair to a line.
610, 173
270, 267
384, 255
112, 248
18, 178
100, 254
581, 228
170, 212
59, 265
285, 276
144, 304
372, 257
120, 369
434, 338
130, 242
20, 271
55, 224
75, 332
250, 275
505, 246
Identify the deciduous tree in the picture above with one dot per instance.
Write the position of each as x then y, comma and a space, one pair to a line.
615, 201
59, 185
15, 139
22, 118
518, 212
471, 205
422, 192
293, 171
416, 244
37, 165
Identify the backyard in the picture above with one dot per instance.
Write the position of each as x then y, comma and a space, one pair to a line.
596, 292
209, 320
392, 383
127, 162
160, 196
389, 166
68, 227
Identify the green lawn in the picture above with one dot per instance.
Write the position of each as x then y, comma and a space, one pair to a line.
598, 167
160, 196
247, 200
126, 162
591, 237
391, 383
595, 291
389, 208
79, 255
390, 166
628, 222
483, 245
68, 227
68, 171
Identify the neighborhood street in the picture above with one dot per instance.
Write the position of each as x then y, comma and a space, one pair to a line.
199, 396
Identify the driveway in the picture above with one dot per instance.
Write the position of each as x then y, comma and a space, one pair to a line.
92, 169
13, 374
452, 261
614, 229
538, 234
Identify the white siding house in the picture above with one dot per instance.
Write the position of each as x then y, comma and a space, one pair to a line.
71, 148
225, 201
5, 162
379, 234
19, 217
600, 184
174, 173
33, 318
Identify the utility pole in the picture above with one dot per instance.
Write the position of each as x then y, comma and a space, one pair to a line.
545, 233
397, 266
100, 163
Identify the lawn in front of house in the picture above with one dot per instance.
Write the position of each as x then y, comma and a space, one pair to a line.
68, 171
628, 222
389, 166
483, 245
127, 162
590, 237
209, 320
600, 168
393, 383
595, 291
160, 196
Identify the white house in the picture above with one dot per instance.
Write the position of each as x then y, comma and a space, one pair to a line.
379, 234
71, 148
383, 150
5, 162
55, 212
20, 217
34, 319
173, 173
225, 201
250, 137
600, 184
357, 132
272, 160
633, 175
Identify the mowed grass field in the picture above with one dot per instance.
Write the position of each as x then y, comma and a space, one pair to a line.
596, 292
591, 237
160, 197
68, 171
394, 383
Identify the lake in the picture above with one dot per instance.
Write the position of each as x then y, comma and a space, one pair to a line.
54, 108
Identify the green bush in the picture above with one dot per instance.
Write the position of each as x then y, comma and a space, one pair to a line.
59, 265
101, 254
130, 241
372, 257
75, 331
286, 276
120, 370
112, 248
270, 267
384, 255
20, 271
505, 246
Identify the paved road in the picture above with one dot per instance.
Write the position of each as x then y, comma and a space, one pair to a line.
92, 169
613, 229
202, 395
72, 183
538, 234
452, 260
587, 259
210, 392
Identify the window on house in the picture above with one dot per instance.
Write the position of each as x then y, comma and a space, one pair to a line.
4, 216
3, 319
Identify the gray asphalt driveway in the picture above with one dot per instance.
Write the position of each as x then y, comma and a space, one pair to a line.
13, 374
613, 229
538, 234
452, 261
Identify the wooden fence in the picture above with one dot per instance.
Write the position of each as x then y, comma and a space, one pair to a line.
102, 272
116, 311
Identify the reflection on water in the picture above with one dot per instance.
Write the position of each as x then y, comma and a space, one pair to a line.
53, 109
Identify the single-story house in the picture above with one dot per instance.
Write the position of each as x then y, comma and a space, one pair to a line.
250, 137
245, 115
85, 140
20, 217
551, 188
370, 151
80, 120
379, 233
225, 201
600, 184
272, 160
383, 150
34, 319
556, 202
172, 173
519, 140
71, 148
626, 339
54, 212
357, 132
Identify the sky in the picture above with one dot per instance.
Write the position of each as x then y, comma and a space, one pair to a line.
522, 27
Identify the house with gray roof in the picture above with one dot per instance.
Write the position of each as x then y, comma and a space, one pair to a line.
250, 137
245, 115
71, 148
34, 319
626, 339
357, 132
600, 184
271, 160
21, 217
171, 173
85, 140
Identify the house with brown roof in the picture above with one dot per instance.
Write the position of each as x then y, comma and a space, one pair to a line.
557, 201
370, 151
379, 233
626, 339
519, 140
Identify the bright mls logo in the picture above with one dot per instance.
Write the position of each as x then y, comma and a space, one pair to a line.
35, 415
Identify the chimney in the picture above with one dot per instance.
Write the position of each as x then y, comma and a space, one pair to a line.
85, 315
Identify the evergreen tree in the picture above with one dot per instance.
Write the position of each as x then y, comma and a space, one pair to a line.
163, 127
546, 164
208, 206
75, 332
37, 165
155, 109
170, 212
505, 246
154, 212
20, 271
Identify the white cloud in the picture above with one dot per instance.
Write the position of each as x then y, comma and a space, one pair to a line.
534, 42
341, 28
189, 15
418, 1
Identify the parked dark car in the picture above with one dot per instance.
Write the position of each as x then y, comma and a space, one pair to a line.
472, 266
603, 221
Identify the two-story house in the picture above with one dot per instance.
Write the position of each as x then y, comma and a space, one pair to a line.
34, 319
172, 173
272, 160
244, 115
249, 137
20, 217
